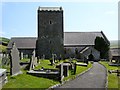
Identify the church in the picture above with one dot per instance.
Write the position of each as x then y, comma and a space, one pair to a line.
52, 40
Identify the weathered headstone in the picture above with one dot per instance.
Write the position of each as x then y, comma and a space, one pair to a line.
33, 61
5, 61
43, 56
65, 69
75, 68
70, 60
61, 72
14, 61
38, 59
53, 58
21, 55
60, 57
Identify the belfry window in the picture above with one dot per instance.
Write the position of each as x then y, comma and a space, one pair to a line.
50, 22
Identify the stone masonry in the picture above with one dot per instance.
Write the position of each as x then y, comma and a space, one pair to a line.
50, 32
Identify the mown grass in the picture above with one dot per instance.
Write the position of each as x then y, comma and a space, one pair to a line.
28, 81
45, 64
79, 70
25, 60
112, 78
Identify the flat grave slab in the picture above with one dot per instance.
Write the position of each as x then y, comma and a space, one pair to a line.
43, 72
81, 64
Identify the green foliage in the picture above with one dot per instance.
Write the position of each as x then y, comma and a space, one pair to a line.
28, 81
3, 48
25, 60
102, 46
45, 64
112, 78
5, 40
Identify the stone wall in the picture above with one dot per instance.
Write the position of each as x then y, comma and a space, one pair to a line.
50, 34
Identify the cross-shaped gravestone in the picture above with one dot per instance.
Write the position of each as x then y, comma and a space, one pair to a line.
14, 61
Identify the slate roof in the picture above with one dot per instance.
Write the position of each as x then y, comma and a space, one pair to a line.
23, 42
82, 38
70, 39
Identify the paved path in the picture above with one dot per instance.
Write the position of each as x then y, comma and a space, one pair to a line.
94, 78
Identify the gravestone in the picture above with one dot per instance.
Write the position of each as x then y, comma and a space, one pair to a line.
21, 55
60, 57
61, 72
75, 68
14, 61
70, 59
5, 61
53, 58
43, 56
65, 69
33, 61
38, 59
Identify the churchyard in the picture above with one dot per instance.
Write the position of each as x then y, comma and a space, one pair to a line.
44, 73
113, 78
50, 61
19, 77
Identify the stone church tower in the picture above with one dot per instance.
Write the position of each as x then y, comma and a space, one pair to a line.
50, 32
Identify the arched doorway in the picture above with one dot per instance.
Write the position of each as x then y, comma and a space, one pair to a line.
91, 57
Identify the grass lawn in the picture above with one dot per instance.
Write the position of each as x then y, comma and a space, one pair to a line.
79, 70
25, 60
45, 64
112, 78
28, 81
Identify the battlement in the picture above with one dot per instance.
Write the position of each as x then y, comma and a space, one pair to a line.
50, 8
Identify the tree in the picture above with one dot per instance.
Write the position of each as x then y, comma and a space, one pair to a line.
102, 46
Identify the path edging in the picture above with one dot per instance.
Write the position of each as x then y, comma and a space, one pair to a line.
106, 82
58, 85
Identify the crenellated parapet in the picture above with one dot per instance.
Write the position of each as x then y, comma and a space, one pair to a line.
50, 9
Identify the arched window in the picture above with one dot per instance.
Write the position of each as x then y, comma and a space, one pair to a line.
50, 22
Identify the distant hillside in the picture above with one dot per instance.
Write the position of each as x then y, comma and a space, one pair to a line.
5, 40
3, 44
114, 44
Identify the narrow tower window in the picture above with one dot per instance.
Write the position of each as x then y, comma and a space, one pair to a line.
50, 22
